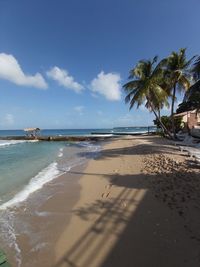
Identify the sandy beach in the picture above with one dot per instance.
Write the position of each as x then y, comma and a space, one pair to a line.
139, 206
134, 203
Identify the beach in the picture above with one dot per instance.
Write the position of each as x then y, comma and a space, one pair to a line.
138, 206
134, 203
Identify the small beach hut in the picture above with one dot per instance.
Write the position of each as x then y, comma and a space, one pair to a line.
32, 132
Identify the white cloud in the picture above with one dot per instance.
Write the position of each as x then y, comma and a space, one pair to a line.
107, 85
11, 70
63, 78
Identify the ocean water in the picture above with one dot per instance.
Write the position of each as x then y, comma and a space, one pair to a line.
32, 164
79, 132
26, 167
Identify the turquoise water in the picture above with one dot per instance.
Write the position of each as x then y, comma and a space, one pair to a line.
25, 168
33, 164
22, 161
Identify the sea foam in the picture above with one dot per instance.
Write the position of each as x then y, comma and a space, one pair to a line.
4, 143
36, 183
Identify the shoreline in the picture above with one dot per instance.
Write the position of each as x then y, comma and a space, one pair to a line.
44, 220
116, 209
48, 208
118, 220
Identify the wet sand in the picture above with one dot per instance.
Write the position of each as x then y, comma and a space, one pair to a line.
40, 220
139, 206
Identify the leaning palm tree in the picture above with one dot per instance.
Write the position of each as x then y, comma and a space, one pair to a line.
146, 88
177, 75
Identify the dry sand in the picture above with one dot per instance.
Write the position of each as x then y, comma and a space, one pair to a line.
139, 206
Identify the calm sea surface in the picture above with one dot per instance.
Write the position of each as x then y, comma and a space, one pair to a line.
77, 132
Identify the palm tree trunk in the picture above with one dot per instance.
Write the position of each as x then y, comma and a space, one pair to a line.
172, 111
162, 125
159, 114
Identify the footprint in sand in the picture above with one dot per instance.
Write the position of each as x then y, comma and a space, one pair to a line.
108, 186
105, 195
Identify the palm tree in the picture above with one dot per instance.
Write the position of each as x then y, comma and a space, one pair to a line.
177, 75
146, 87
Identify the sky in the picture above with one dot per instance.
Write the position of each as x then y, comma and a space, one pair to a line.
63, 63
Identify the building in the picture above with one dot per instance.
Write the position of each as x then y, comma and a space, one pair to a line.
190, 119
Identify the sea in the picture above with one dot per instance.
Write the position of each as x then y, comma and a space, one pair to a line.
26, 167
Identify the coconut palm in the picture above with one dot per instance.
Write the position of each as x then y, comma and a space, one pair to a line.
146, 87
177, 75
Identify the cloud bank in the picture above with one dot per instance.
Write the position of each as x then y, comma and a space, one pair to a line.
63, 78
10, 70
107, 85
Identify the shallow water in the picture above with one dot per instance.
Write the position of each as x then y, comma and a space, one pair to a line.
22, 161
29, 172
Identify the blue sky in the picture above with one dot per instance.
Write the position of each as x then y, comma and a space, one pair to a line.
63, 63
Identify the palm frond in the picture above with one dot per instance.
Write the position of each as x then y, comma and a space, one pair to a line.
196, 68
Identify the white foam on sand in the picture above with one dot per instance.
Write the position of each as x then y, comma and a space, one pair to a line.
7, 215
36, 183
8, 234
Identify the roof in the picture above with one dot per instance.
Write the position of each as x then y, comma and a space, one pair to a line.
31, 129
184, 113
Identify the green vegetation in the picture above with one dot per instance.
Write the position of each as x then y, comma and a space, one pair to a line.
146, 87
178, 75
156, 84
166, 120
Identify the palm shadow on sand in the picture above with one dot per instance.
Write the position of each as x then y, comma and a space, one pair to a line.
148, 232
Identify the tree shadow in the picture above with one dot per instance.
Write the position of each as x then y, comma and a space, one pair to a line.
139, 226
153, 143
